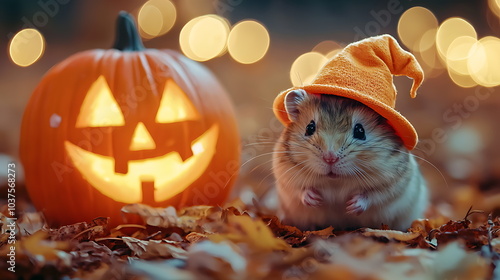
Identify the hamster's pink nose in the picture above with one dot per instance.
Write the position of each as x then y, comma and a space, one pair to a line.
330, 157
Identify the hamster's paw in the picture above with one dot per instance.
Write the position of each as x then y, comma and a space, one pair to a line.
312, 197
357, 205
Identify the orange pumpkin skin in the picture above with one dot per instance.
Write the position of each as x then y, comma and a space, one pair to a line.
136, 80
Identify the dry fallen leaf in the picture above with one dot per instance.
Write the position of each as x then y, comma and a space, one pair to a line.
89, 255
186, 218
251, 231
82, 231
154, 249
293, 235
40, 247
217, 260
391, 234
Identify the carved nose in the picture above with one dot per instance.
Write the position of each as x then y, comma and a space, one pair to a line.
330, 157
141, 139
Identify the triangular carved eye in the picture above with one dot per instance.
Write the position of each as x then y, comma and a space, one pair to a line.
175, 106
99, 108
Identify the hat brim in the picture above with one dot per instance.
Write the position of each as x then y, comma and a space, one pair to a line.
401, 125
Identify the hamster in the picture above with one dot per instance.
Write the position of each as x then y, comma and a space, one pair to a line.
339, 163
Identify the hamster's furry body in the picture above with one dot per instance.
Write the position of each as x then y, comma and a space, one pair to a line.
339, 163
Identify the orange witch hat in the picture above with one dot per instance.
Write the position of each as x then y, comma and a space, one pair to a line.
363, 71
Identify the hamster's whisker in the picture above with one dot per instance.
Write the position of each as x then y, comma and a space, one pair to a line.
289, 169
367, 178
293, 178
263, 143
266, 154
423, 159
357, 176
259, 143
310, 177
363, 147
346, 172
299, 145
345, 144
265, 177
299, 78
262, 164
270, 172
299, 172
259, 165
271, 142
269, 161
264, 138
355, 172
255, 157
361, 177
283, 111
419, 149
370, 178
369, 167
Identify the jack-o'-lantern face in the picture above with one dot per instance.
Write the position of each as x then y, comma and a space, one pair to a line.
168, 173
109, 127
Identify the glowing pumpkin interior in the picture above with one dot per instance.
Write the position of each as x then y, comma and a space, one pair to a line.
147, 180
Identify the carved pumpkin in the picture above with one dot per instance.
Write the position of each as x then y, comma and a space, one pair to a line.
105, 128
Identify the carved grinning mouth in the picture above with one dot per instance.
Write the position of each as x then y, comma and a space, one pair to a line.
169, 173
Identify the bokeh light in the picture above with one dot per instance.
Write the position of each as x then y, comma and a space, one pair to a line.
26, 47
208, 37
326, 47
184, 38
156, 17
457, 55
450, 30
430, 63
204, 37
248, 42
427, 55
429, 58
413, 24
332, 53
494, 6
461, 80
466, 140
483, 63
428, 41
305, 68
150, 21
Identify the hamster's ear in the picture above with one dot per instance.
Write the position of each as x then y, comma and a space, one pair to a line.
292, 101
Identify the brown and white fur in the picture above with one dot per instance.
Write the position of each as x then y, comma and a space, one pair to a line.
331, 178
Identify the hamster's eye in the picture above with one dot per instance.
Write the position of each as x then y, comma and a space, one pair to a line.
310, 128
359, 132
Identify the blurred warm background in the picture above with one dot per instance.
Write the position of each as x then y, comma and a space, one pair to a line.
258, 48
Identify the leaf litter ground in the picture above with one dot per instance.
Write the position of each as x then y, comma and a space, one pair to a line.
239, 242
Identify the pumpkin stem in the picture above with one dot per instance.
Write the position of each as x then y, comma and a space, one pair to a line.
127, 37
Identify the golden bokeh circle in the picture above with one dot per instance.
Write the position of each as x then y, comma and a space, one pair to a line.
305, 68
248, 41
156, 17
451, 29
413, 24
26, 47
